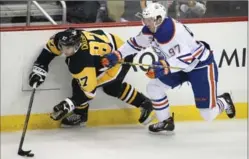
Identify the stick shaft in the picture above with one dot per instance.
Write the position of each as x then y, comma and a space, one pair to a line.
27, 117
149, 65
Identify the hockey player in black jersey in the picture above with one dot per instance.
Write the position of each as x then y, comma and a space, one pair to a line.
83, 51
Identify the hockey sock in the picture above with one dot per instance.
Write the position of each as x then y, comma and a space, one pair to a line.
222, 104
210, 114
161, 108
130, 95
82, 109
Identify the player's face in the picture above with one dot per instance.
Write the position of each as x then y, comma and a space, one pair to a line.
67, 50
150, 23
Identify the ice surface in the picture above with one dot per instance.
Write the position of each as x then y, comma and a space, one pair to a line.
192, 140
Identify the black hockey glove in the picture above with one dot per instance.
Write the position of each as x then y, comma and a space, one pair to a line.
38, 75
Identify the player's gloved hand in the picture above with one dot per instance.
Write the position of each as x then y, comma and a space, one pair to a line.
161, 68
38, 75
109, 60
61, 109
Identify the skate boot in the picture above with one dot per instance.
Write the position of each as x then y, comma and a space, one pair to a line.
61, 109
166, 125
146, 109
230, 111
77, 118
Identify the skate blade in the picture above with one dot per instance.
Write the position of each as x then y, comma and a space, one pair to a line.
149, 120
164, 133
73, 126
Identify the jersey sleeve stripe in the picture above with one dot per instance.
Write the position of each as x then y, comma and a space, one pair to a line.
90, 95
133, 41
52, 50
50, 46
201, 54
197, 54
131, 45
114, 42
109, 75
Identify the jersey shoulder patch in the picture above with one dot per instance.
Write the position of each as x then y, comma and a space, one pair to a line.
166, 31
52, 44
98, 31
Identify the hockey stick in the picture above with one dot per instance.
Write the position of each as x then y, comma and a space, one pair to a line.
150, 65
21, 152
142, 64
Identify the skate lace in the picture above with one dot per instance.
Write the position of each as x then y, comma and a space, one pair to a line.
158, 125
143, 111
229, 110
73, 117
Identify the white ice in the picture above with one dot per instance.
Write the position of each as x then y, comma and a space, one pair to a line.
192, 140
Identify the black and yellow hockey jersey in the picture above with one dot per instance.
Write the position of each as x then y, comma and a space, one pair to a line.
84, 65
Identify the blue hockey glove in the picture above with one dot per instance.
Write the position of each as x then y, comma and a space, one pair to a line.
161, 68
109, 60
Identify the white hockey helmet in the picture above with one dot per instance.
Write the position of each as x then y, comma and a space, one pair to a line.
153, 10
151, 14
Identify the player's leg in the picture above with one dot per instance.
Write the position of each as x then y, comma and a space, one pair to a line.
129, 94
156, 90
79, 116
204, 85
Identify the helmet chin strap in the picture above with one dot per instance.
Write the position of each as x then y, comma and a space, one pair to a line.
76, 48
156, 26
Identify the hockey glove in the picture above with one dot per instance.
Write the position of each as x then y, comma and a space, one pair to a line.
109, 60
160, 69
38, 75
61, 109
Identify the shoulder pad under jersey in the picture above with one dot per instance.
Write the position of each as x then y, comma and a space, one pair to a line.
146, 31
166, 31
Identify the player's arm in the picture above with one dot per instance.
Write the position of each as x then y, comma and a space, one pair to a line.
171, 65
131, 46
87, 81
84, 72
49, 51
40, 67
188, 61
183, 61
137, 43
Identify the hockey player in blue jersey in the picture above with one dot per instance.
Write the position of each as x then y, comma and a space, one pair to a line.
175, 46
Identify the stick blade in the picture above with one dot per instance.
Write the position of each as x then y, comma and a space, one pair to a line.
25, 153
